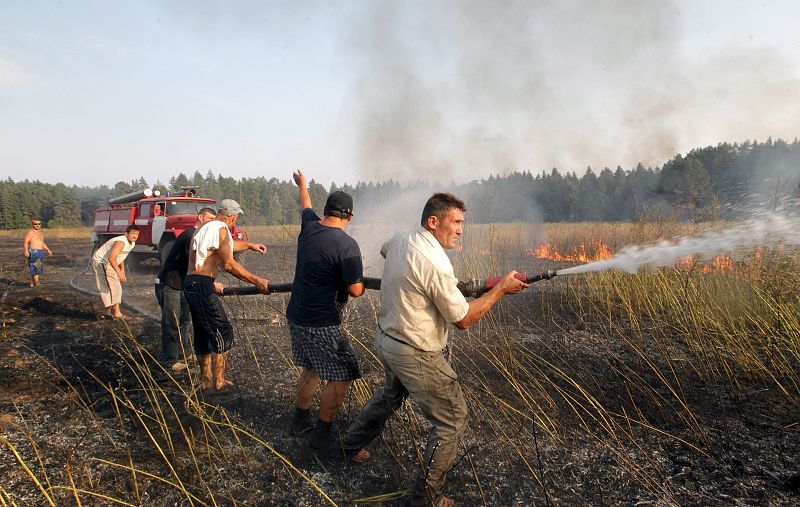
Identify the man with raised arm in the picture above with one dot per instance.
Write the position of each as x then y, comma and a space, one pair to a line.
328, 270
34, 249
419, 298
211, 250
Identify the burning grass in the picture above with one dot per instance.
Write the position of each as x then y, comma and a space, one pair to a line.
669, 342
673, 386
735, 320
733, 316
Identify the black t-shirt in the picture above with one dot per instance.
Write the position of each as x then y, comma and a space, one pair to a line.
176, 265
328, 261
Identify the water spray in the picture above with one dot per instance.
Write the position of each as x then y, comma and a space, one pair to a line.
767, 230
470, 288
770, 229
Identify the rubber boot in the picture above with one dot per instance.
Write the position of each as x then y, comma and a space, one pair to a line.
422, 495
301, 423
206, 379
218, 364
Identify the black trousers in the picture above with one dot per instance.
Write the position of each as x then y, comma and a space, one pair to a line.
213, 331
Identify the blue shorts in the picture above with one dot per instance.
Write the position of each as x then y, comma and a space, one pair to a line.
36, 261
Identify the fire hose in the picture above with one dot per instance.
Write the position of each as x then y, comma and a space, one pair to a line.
474, 287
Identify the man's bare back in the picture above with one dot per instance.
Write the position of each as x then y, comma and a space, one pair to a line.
222, 257
213, 261
212, 247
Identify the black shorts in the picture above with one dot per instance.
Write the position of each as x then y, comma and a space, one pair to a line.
326, 350
213, 331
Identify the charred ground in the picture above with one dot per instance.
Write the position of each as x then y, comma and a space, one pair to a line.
556, 415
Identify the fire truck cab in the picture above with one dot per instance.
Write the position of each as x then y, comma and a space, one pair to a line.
160, 218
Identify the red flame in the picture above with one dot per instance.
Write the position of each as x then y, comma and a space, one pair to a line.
719, 264
596, 251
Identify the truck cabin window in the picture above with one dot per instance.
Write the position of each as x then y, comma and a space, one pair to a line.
184, 208
144, 210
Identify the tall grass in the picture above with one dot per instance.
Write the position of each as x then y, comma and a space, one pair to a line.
579, 377
615, 357
741, 322
172, 444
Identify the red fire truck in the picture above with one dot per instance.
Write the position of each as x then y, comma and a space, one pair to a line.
160, 218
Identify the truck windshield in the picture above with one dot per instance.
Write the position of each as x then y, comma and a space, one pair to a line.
185, 208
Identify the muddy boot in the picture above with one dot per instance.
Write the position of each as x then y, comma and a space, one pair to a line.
301, 423
321, 438
206, 379
422, 495
219, 363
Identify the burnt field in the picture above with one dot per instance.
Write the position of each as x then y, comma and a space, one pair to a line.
679, 387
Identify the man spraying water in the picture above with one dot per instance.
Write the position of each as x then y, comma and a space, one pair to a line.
419, 298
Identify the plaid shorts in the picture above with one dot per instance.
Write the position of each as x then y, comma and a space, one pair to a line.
326, 350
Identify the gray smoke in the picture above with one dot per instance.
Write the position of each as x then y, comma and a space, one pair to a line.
379, 216
767, 230
450, 90
377, 221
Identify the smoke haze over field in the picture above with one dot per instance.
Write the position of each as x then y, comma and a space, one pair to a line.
379, 216
486, 87
376, 221
433, 90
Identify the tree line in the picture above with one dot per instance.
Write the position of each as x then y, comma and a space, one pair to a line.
721, 181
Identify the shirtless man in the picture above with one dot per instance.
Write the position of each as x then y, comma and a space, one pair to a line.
211, 249
175, 314
34, 248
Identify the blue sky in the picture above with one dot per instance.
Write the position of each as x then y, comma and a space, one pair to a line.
93, 92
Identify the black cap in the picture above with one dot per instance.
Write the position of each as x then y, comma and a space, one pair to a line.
339, 204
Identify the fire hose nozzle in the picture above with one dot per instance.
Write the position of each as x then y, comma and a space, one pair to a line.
477, 287
544, 275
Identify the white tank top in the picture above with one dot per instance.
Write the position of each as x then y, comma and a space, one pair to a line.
207, 238
101, 255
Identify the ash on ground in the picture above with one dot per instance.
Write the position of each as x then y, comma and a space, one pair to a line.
558, 415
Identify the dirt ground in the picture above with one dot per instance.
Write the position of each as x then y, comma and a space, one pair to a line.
57, 361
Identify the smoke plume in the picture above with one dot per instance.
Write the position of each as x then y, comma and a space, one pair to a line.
447, 91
